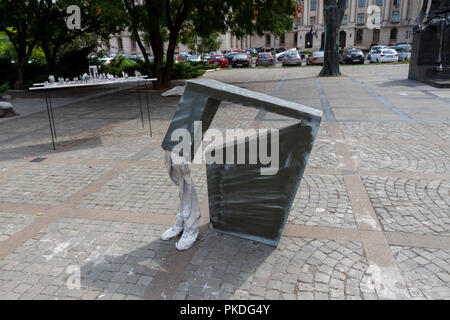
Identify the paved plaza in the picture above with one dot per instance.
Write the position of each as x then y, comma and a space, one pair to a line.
371, 219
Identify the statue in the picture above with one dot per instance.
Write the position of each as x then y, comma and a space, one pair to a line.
251, 194
334, 13
430, 61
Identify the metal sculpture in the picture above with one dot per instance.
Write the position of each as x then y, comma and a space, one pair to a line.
246, 199
430, 60
334, 13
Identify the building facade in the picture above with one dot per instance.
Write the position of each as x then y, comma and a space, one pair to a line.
365, 23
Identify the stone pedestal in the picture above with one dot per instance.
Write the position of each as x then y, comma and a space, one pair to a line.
424, 56
7, 110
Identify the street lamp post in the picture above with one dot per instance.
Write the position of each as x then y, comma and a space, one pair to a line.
275, 48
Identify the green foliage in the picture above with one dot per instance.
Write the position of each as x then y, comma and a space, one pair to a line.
183, 70
186, 70
3, 88
122, 64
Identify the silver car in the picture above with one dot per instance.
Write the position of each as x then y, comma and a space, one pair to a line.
404, 52
292, 59
315, 58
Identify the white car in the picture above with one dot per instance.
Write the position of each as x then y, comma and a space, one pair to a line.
281, 55
373, 49
195, 58
404, 53
384, 55
106, 61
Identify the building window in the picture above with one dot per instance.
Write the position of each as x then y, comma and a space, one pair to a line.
120, 43
298, 22
345, 19
396, 3
408, 34
268, 40
295, 39
361, 18
395, 16
312, 21
394, 34
379, 3
359, 35
313, 5
376, 36
361, 3
282, 38
346, 4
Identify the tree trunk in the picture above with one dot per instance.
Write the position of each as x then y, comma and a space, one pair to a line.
334, 13
158, 53
20, 80
167, 75
50, 58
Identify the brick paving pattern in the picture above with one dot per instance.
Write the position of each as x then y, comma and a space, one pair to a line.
371, 219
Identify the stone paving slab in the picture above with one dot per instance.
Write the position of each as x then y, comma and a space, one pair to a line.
143, 189
84, 259
441, 130
107, 147
322, 200
48, 183
10, 223
423, 158
427, 271
374, 157
225, 267
411, 205
381, 131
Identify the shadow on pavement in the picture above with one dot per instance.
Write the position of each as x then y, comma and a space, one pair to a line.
214, 268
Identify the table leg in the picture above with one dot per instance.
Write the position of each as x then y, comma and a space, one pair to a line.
51, 112
148, 112
140, 103
49, 117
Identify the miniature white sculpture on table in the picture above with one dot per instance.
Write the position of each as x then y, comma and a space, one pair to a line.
93, 72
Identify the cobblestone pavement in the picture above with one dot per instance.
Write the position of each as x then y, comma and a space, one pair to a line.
371, 219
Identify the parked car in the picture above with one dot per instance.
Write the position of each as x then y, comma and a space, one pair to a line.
194, 58
352, 55
178, 58
218, 59
301, 54
384, 55
106, 61
373, 49
241, 60
206, 57
229, 57
264, 59
404, 52
315, 58
292, 59
283, 53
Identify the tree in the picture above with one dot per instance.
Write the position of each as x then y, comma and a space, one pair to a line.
165, 19
334, 13
22, 21
98, 18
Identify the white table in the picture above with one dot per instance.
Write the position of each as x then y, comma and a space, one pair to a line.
90, 83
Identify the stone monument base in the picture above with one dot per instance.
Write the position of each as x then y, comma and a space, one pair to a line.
425, 53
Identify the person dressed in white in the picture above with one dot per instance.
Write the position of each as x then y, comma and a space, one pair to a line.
188, 217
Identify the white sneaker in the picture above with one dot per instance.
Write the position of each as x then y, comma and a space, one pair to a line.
171, 233
187, 240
